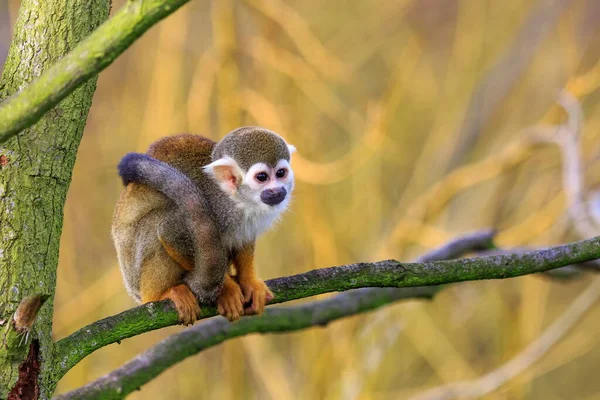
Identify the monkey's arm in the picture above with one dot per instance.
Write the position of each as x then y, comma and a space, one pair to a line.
176, 241
254, 289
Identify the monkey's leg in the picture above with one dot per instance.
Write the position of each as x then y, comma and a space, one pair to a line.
161, 279
254, 289
230, 302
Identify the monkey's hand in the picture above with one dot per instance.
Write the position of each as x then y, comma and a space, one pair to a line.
185, 303
256, 292
230, 302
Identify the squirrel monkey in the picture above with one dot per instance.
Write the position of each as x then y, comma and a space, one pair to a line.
193, 207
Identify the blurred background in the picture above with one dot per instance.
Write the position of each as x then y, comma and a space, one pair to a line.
416, 121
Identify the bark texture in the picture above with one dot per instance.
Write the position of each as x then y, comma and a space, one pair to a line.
35, 172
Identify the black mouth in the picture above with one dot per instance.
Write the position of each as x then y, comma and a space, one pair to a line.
272, 197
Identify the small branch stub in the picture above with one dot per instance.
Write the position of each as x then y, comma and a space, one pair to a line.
27, 311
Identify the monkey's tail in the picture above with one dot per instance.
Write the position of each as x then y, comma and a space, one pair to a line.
142, 168
209, 253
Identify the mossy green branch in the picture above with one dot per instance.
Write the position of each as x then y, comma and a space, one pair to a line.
387, 273
135, 373
146, 366
87, 59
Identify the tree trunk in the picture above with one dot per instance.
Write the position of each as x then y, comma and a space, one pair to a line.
35, 172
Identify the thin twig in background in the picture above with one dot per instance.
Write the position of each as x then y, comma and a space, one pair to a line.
567, 138
431, 203
498, 82
300, 33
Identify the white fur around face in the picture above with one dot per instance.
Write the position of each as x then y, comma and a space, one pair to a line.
258, 216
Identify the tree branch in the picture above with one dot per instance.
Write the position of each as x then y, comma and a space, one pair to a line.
151, 316
567, 137
87, 59
390, 273
148, 365
568, 272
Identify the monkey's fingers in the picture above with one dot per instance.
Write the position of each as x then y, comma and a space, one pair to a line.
228, 312
231, 309
259, 293
270, 295
230, 302
185, 302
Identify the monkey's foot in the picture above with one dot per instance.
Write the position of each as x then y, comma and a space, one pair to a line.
256, 291
185, 302
230, 303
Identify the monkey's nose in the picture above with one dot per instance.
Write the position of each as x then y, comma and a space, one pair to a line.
273, 196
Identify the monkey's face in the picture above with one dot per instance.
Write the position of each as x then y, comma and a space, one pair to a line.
263, 188
268, 187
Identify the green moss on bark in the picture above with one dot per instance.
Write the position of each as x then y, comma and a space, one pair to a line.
35, 172
389, 273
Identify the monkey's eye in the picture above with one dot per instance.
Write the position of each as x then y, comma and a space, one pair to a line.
261, 177
281, 173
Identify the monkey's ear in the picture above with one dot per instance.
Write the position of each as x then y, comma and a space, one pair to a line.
226, 172
291, 148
